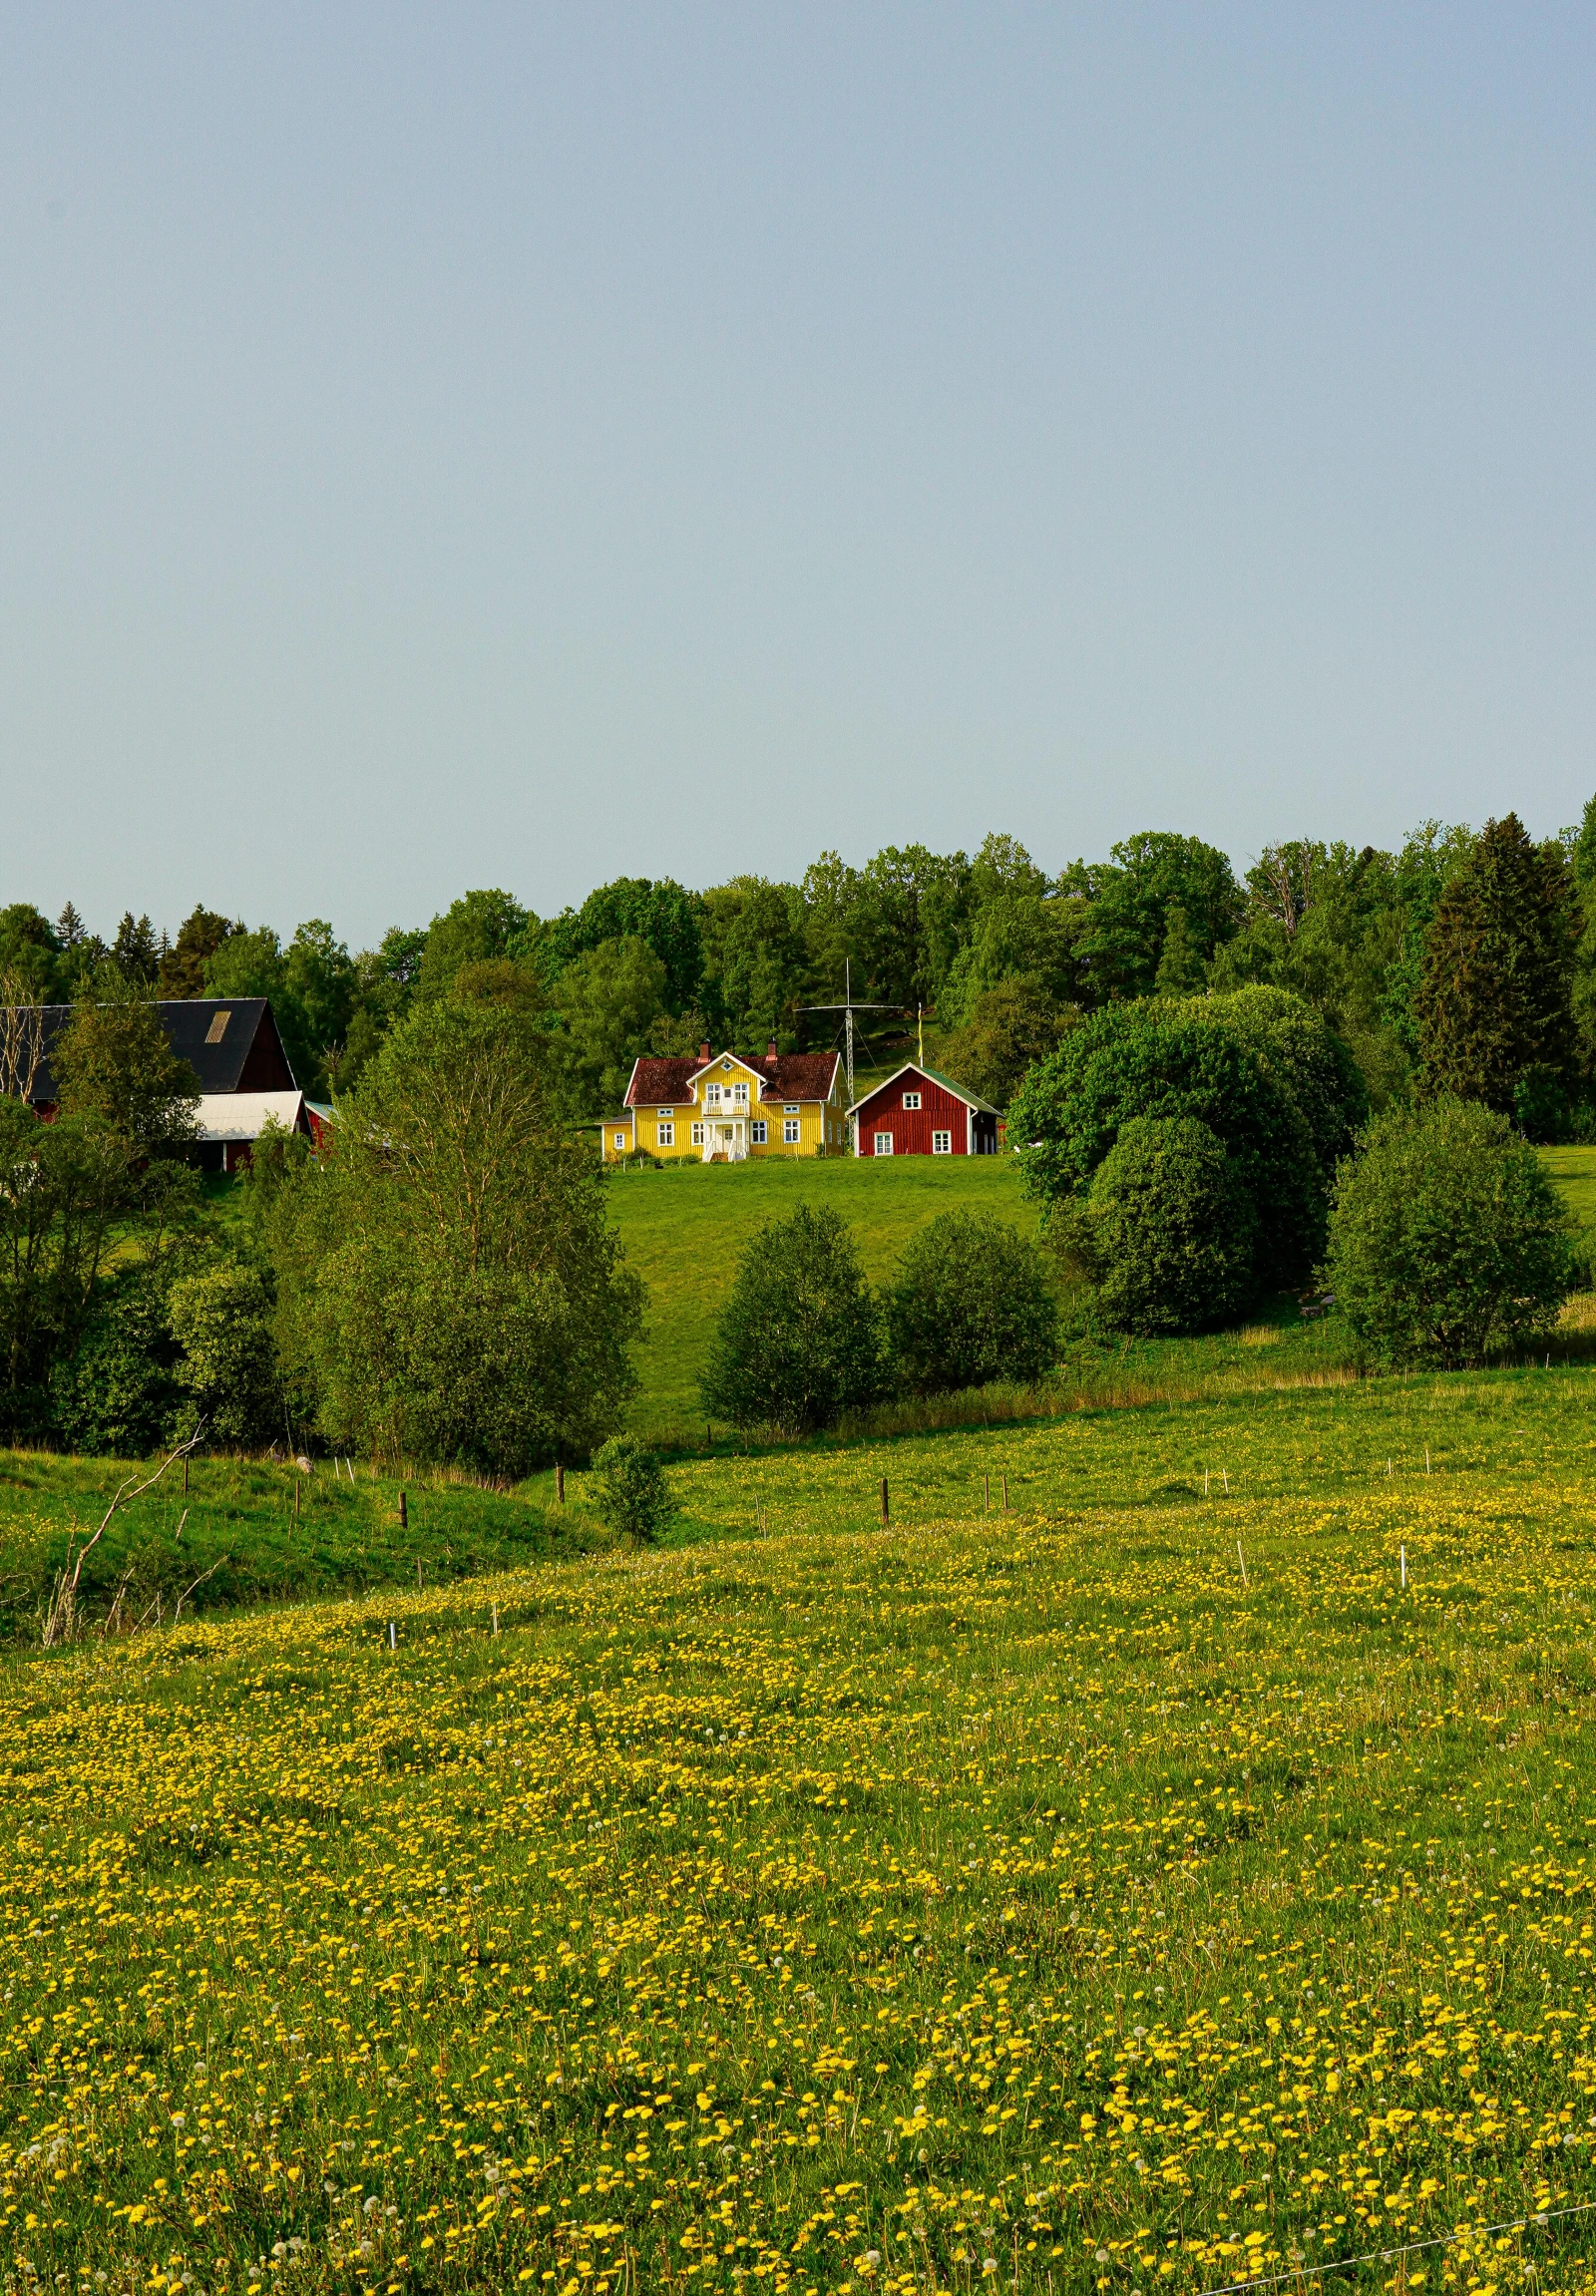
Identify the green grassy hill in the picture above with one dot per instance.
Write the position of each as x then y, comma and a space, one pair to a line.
686, 1229
1574, 1170
250, 1531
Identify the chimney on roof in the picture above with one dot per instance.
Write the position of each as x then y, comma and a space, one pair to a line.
771, 1055
703, 1049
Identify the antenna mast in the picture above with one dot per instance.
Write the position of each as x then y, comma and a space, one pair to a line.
848, 1008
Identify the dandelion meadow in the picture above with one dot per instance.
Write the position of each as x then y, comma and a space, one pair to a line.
1152, 1898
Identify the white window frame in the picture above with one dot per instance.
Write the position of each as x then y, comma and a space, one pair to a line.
739, 1095
621, 1143
791, 1131
884, 1144
712, 1095
942, 1143
759, 1132
697, 1135
911, 1099
668, 1135
792, 1108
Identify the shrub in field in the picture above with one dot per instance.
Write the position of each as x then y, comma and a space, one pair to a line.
1167, 1233
449, 1287
631, 1491
972, 1302
799, 1342
1446, 1238
220, 1319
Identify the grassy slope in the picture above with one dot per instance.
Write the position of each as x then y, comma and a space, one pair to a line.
1037, 1889
236, 1538
686, 1229
1273, 1393
1574, 1170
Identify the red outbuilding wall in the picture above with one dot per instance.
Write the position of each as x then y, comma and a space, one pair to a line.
940, 1111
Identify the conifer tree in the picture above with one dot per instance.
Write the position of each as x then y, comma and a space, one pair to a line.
1496, 1020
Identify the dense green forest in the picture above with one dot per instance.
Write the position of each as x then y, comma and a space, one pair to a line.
1469, 959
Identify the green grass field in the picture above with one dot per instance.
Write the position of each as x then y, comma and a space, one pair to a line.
1574, 1170
1142, 1889
244, 1532
1181, 1878
686, 1230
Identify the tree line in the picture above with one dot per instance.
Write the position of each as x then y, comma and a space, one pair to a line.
440, 1282
1462, 959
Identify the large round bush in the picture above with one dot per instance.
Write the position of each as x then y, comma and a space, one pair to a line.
972, 1302
1156, 1061
1446, 1238
1305, 1057
799, 1342
1170, 1230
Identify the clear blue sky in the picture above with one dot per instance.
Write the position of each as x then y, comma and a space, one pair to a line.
447, 446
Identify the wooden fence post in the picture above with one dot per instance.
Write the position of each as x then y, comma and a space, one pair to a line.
560, 1480
404, 1513
884, 1510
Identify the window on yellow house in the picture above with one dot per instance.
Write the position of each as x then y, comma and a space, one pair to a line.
668, 1135
759, 1132
697, 1135
789, 1131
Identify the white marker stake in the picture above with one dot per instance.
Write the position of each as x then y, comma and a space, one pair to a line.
1427, 1458
1403, 1553
393, 1640
495, 1618
1242, 1559
1226, 1476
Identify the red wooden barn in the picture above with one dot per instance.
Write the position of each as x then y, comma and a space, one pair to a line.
918, 1113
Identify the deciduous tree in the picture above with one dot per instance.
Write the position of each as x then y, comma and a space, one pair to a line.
1447, 1239
449, 1287
972, 1302
799, 1341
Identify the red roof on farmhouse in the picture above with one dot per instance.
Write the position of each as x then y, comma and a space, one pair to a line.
790, 1076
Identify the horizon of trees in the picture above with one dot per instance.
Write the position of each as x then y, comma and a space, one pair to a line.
1002, 957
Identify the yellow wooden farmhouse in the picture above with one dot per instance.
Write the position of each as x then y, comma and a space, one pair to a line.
724, 1107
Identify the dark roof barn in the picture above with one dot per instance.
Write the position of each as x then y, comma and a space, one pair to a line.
230, 1042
